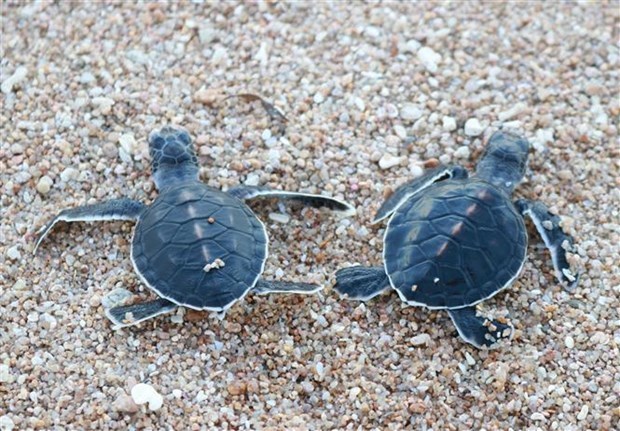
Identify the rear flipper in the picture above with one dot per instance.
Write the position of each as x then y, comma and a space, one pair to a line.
405, 191
478, 331
361, 282
128, 315
548, 226
116, 209
263, 287
316, 201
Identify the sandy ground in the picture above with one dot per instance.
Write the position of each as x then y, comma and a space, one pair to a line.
373, 94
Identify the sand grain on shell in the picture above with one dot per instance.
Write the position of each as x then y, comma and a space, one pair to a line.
372, 93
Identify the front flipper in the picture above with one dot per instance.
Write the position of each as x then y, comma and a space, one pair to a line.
127, 315
405, 191
548, 226
478, 331
263, 287
116, 209
316, 201
361, 282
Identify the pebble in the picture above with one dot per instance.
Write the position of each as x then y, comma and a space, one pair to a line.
462, 152
44, 185
11, 82
448, 124
517, 109
5, 376
318, 97
143, 393
538, 417
569, 342
388, 161
429, 58
69, 174
411, 112
420, 339
116, 297
400, 131
583, 413
417, 171
279, 217
13, 253
6, 423
473, 127
17, 148
104, 104
124, 403
354, 392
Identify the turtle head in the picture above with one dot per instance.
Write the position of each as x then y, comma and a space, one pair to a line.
504, 160
173, 158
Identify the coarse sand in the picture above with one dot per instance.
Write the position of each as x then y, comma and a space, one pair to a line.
374, 93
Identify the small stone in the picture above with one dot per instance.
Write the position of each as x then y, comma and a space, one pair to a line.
388, 161
279, 217
207, 96
5, 376
537, 417
216, 264
128, 143
517, 109
473, 127
420, 339
318, 98
13, 253
417, 171
201, 396
20, 285
124, 403
470, 359
583, 413
449, 124
411, 112
110, 150
18, 76
429, 58
252, 179
462, 152
569, 342
104, 104
44, 185
400, 131
177, 393
237, 388
594, 89
354, 392
263, 53
118, 296
17, 148
143, 393
6, 423
69, 174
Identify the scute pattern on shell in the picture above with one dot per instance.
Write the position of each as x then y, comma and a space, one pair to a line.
454, 244
189, 226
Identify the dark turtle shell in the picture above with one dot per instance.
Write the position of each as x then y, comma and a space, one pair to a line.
454, 244
188, 227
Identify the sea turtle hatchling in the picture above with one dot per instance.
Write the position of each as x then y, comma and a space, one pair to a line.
453, 241
194, 246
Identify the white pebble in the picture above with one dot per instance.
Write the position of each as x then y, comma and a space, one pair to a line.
359, 103
252, 179
354, 392
18, 76
449, 124
263, 53
5, 376
118, 296
318, 97
537, 417
104, 104
473, 127
583, 413
279, 217
400, 131
569, 342
420, 339
44, 185
462, 152
411, 112
177, 393
388, 161
201, 396
143, 393
266, 134
69, 174
543, 137
6, 423
470, 359
429, 58
128, 143
13, 253
417, 171
512, 112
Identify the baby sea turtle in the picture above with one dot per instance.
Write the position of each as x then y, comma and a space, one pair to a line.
194, 246
453, 241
